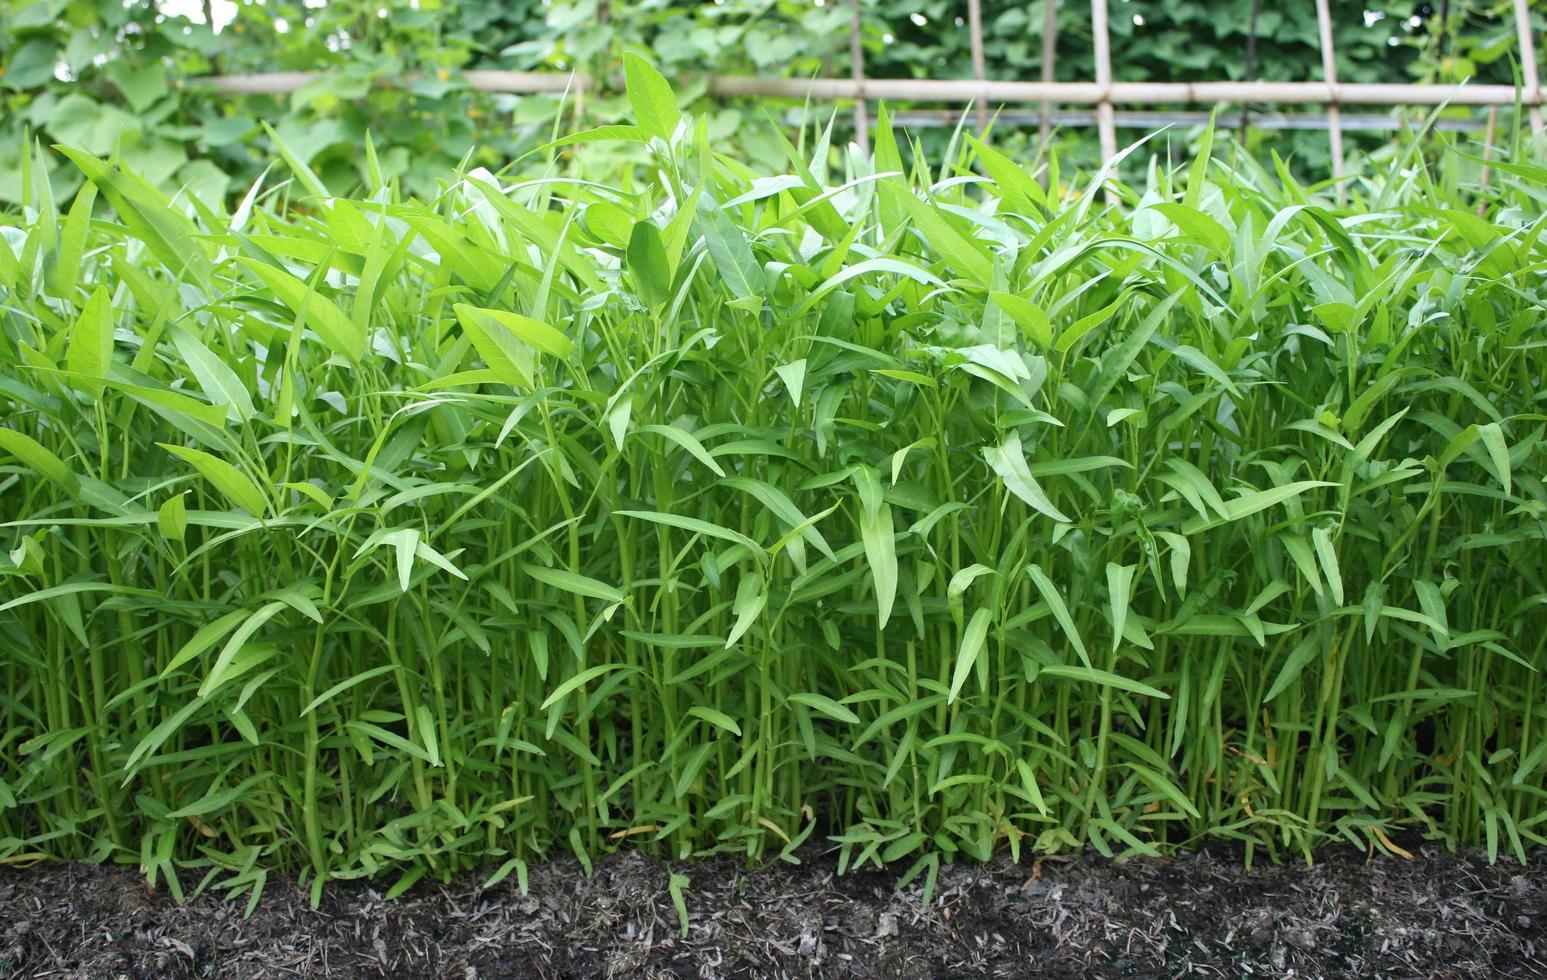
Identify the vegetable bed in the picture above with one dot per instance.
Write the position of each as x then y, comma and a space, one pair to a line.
928, 512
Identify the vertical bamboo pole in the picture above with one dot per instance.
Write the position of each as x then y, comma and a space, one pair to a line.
979, 69
1533, 85
1049, 57
1251, 65
1105, 120
857, 70
1482, 180
1329, 69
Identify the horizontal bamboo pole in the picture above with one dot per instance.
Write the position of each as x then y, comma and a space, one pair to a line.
967, 90
1157, 119
514, 82
1130, 93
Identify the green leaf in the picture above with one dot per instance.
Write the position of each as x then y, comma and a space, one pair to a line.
533, 333
793, 375
217, 379
229, 480
580, 680
687, 441
1028, 316
1102, 678
781, 506
65, 276
510, 360
618, 419
567, 581
1303, 653
172, 518
648, 266
651, 97
39, 459
142, 84
751, 598
1327, 554
1018, 186
875, 525
91, 338
1250, 503
1119, 591
250, 625
297, 164
1055, 603
694, 525
148, 215
715, 717
729, 249
962, 256
30, 64
1493, 440
315, 310
973, 638
824, 705
1197, 226
346, 684
1008, 461
677, 886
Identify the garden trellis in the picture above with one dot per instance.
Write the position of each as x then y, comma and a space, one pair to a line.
1104, 93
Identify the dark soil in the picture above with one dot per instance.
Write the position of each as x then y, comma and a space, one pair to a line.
1441, 915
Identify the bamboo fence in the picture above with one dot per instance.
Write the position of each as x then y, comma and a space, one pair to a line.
1103, 93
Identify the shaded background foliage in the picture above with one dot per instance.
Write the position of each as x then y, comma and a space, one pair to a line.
117, 76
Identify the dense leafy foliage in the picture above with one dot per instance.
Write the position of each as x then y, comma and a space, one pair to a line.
929, 512
117, 77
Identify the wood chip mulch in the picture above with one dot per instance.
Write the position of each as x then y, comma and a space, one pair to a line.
1440, 915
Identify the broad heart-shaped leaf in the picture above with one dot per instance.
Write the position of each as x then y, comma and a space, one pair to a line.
39, 459
317, 311
229, 480
651, 97
91, 338
648, 265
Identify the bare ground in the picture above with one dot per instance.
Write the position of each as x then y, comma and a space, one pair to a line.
1441, 915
